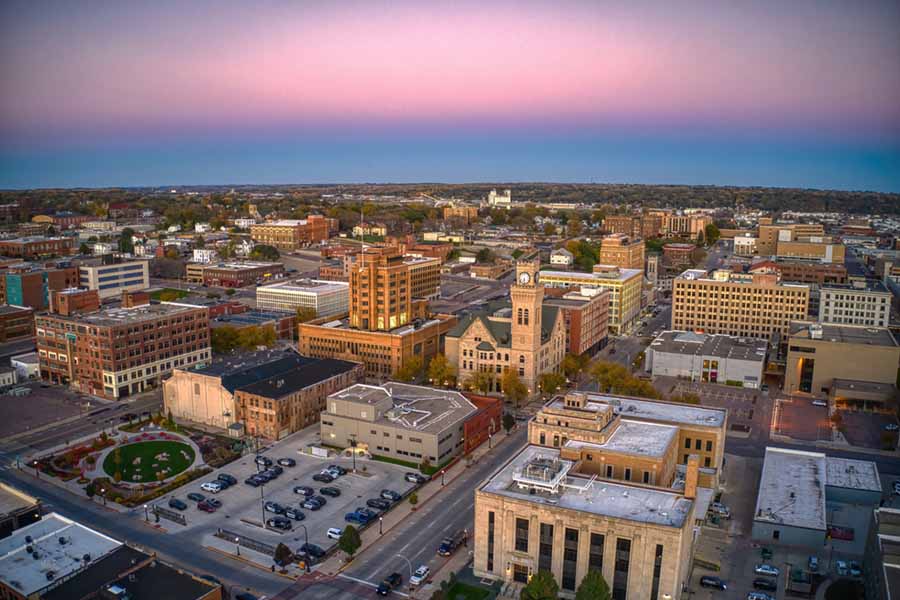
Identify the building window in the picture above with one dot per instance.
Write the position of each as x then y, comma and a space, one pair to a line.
627, 473
646, 476
698, 445
707, 461
545, 549
520, 573
657, 569
609, 471
490, 542
620, 575
709, 446
522, 535
570, 559
687, 443
543, 439
595, 553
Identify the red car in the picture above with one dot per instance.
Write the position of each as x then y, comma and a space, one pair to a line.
206, 507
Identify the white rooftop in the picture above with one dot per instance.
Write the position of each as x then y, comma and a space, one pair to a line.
792, 489
636, 438
619, 274
27, 575
668, 412
853, 474
583, 494
308, 286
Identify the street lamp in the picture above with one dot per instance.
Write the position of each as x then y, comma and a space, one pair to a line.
442, 476
103, 494
380, 521
237, 546
353, 450
306, 546
409, 564
146, 514
37, 473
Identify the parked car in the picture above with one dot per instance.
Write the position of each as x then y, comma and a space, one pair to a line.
312, 550
280, 523
378, 503
206, 507
843, 569
287, 462
415, 478
341, 470
333, 472
709, 581
819, 403
263, 461
813, 563
254, 481
230, 479
312, 504
390, 495
855, 569
276, 469
358, 517
274, 507
720, 509
304, 490
394, 580
759, 596
764, 569
419, 577
330, 491
213, 487
761, 583
323, 477
265, 476
294, 513
213, 502
896, 486
450, 543
334, 533
891, 427
177, 504
196, 497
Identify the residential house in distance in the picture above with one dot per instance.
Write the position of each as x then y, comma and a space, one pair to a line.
562, 259
527, 336
713, 358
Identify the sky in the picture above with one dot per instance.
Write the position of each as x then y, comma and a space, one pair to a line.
103, 93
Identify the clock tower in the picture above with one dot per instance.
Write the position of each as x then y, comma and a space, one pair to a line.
527, 296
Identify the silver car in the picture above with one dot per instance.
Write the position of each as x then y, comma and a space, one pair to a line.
765, 569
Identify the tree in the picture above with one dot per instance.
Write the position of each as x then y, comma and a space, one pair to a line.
265, 252
414, 498
410, 370
90, 490
513, 388
84, 248
712, 234
305, 314
230, 292
593, 587
223, 339
549, 228
574, 227
509, 422
349, 541
441, 372
481, 381
126, 240
685, 398
552, 382
283, 554
542, 586
485, 255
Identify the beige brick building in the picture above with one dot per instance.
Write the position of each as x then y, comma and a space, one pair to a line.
622, 251
754, 305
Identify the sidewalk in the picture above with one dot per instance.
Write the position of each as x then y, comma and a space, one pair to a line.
335, 563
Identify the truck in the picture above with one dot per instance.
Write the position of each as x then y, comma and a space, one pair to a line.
450, 543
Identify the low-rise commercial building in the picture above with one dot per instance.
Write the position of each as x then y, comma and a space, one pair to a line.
857, 303
291, 234
111, 277
240, 274
708, 358
63, 219
325, 298
818, 354
624, 286
37, 247
74, 300
745, 245
802, 495
118, 352
770, 234
396, 420
16, 323
283, 324
803, 271
17, 509
678, 254
755, 305
31, 284
821, 249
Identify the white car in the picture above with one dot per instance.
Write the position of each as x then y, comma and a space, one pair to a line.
419, 576
334, 533
212, 487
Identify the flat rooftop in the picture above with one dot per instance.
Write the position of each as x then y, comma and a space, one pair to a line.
242, 266
599, 497
415, 407
701, 344
867, 285
13, 500
612, 274
7, 309
402, 330
852, 474
843, 334
28, 575
651, 410
122, 316
306, 286
792, 489
251, 317
300, 377
636, 438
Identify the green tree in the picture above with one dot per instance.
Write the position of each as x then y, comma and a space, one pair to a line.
441, 372
305, 314
90, 490
349, 541
223, 339
410, 370
283, 554
552, 382
481, 381
712, 234
509, 422
485, 255
414, 497
593, 587
265, 252
513, 388
549, 228
83, 248
574, 227
230, 292
126, 240
542, 586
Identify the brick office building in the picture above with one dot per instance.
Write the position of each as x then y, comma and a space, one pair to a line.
291, 234
240, 274
37, 246
586, 315
118, 352
31, 285
16, 323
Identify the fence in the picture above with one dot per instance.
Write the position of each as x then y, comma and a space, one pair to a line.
171, 515
247, 542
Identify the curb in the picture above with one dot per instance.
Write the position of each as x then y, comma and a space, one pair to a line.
251, 563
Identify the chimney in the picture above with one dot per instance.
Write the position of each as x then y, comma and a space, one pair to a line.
691, 477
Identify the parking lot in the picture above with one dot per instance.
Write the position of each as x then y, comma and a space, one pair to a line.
242, 504
747, 408
42, 405
798, 418
865, 429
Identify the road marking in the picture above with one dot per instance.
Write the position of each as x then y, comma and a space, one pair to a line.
368, 584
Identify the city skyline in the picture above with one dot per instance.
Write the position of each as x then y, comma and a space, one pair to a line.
125, 95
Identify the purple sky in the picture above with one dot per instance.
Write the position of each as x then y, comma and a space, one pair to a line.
795, 93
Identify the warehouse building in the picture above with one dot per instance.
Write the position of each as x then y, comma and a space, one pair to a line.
709, 358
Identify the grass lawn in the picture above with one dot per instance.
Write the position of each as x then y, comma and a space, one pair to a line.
168, 294
460, 591
180, 457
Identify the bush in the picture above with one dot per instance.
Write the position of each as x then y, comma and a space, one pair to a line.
413, 499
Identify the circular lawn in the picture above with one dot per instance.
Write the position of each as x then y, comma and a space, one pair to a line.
149, 462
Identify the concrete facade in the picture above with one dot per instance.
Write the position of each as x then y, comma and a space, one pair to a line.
708, 358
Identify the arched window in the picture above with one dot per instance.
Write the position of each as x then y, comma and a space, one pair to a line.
526, 316
519, 317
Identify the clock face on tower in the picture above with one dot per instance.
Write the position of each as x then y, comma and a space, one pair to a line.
524, 278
